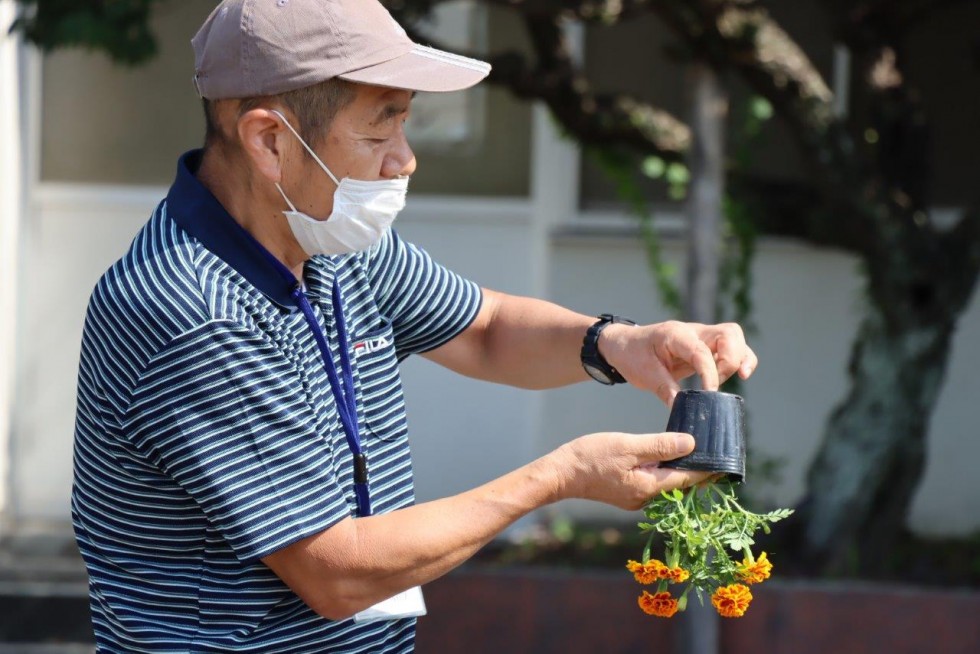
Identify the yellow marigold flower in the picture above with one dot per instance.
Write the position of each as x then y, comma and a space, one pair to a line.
661, 605
675, 575
732, 601
646, 573
755, 573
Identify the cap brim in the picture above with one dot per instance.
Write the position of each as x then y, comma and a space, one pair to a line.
423, 69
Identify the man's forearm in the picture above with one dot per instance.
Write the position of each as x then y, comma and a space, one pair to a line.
362, 561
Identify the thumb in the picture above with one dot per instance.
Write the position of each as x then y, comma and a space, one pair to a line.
667, 446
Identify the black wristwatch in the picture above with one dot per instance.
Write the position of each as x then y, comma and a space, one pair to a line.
592, 360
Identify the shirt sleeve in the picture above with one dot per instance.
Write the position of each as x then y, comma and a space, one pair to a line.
427, 304
217, 413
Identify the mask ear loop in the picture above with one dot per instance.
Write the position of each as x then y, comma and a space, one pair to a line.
308, 149
292, 207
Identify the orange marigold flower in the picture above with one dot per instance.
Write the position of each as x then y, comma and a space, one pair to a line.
661, 605
732, 601
755, 573
675, 575
646, 573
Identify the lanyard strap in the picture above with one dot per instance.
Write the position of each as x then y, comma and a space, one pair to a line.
342, 389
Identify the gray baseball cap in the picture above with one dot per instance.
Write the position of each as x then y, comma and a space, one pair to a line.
251, 48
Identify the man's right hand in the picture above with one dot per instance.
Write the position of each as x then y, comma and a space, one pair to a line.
622, 469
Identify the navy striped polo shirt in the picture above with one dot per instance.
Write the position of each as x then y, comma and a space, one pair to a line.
207, 436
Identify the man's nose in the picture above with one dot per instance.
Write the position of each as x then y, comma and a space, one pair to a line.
400, 161
409, 168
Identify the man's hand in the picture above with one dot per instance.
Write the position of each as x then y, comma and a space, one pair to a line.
622, 469
656, 357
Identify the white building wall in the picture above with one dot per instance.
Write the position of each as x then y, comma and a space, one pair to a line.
76, 233
11, 194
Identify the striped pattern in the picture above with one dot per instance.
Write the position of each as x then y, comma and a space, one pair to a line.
207, 438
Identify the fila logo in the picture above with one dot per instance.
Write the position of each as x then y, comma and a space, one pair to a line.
371, 345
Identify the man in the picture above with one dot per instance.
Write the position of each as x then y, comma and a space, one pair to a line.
242, 473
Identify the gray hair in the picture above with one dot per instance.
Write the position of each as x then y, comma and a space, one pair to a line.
315, 107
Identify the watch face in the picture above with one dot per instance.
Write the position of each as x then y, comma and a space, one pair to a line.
597, 374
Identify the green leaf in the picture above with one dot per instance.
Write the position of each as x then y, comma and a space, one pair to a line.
654, 167
677, 173
760, 108
739, 543
779, 514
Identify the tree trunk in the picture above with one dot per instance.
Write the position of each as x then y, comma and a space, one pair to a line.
699, 628
871, 460
709, 108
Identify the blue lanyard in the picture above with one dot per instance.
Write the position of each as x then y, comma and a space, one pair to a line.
342, 388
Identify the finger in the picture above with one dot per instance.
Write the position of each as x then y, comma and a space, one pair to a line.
730, 350
681, 370
749, 364
662, 382
712, 478
686, 345
669, 478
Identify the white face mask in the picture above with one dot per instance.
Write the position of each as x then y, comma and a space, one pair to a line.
362, 212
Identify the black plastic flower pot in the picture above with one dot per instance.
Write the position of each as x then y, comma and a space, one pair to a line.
717, 422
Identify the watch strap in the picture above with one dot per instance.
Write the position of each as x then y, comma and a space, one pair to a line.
592, 357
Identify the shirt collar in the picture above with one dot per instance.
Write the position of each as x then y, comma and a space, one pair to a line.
198, 212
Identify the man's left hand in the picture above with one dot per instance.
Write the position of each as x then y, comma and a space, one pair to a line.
656, 357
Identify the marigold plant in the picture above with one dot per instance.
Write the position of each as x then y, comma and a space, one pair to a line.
654, 570
732, 601
646, 573
754, 572
661, 605
700, 527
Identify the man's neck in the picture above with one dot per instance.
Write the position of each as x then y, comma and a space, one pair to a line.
254, 210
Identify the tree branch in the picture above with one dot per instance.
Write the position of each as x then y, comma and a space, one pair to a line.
605, 12
798, 210
593, 119
871, 24
790, 210
740, 35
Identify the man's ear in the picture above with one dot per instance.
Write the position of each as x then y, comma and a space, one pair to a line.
262, 137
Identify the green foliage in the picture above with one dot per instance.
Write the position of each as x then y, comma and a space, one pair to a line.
120, 28
701, 527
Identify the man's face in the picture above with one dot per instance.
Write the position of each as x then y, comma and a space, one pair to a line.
366, 141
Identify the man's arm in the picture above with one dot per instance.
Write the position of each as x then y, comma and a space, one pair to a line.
520, 342
359, 562
535, 344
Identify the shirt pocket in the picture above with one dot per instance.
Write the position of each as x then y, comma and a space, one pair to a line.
381, 406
